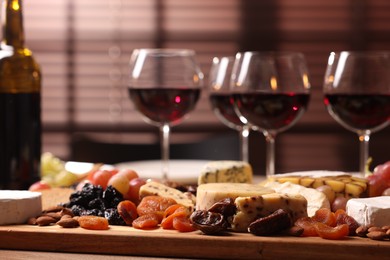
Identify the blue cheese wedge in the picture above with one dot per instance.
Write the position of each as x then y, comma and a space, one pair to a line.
17, 206
315, 199
370, 211
151, 188
226, 171
210, 193
251, 208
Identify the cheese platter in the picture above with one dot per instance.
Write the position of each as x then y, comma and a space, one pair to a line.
120, 240
231, 214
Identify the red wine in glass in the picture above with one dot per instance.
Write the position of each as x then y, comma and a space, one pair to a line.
359, 111
272, 111
223, 106
164, 105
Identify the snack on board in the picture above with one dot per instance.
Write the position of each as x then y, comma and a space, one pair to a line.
152, 188
226, 171
17, 206
373, 211
342, 183
315, 199
210, 193
251, 208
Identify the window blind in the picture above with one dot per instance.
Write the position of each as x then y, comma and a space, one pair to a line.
84, 48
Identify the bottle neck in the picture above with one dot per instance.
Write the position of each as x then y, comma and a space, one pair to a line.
13, 33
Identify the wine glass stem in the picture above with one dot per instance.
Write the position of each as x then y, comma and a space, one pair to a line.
164, 139
244, 134
270, 156
364, 140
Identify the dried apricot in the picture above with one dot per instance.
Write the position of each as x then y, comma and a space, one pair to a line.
147, 221
182, 224
333, 233
325, 216
343, 218
93, 222
154, 204
180, 211
128, 211
307, 224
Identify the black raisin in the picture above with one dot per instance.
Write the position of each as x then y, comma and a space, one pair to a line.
113, 217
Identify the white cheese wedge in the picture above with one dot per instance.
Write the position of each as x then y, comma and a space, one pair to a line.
251, 208
315, 199
155, 188
370, 211
17, 206
210, 193
226, 171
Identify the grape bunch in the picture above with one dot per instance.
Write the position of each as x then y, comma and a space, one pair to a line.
379, 180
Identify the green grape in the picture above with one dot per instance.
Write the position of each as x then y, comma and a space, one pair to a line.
50, 165
65, 179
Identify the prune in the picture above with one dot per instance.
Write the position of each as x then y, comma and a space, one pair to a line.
113, 217
96, 204
225, 207
111, 197
93, 212
208, 222
272, 224
77, 210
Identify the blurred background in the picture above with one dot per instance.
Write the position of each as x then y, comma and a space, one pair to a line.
84, 47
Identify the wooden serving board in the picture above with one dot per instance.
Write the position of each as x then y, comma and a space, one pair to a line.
167, 243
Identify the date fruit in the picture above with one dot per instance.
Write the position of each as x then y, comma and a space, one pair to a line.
272, 224
208, 222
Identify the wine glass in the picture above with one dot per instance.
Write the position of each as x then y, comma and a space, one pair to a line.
164, 85
357, 94
222, 102
272, 91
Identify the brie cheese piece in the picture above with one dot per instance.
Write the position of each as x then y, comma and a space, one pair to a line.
17, 206
315, 199
370, 211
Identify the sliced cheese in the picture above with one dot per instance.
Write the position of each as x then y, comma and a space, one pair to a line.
210, 193
155, 188
315, 199
251, 208
226, 171
370, 211
17, 206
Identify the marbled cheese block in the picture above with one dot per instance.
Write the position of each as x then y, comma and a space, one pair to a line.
17, 206
226, 171
210, 193
370, 211
315, 199
155, 188
251, 208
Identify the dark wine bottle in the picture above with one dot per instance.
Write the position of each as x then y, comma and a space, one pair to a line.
20, 104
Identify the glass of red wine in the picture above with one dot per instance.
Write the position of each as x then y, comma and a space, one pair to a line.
164, 86
222, 101
357, 94
271, 91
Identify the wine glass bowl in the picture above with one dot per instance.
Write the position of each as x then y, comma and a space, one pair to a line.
164, 86
222, 100
357, 94
271, 91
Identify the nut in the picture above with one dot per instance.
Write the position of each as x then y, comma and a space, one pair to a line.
66, 211
376, 235
371, 229
68, 223
32, 221
45, 220
362, 231
55, 215
53, 209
